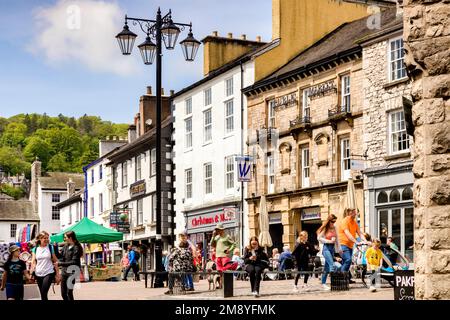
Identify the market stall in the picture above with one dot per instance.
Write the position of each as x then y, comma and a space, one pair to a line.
91, 233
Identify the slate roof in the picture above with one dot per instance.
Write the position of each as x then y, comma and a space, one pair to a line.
344, 39
21, 210
58, 180
5, 197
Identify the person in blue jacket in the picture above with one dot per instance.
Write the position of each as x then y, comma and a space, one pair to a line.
133, 264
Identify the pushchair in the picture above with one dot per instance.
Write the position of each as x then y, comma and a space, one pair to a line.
358, 268
392, 260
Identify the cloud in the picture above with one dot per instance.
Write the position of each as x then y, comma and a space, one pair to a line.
82, 31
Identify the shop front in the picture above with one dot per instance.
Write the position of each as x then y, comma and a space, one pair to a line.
200, 226
310, 219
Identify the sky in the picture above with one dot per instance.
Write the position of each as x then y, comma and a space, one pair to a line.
61, 56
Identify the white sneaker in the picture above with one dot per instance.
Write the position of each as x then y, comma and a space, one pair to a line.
295, 289
372, 289
325, 287
257, 294
305, 287
254, 293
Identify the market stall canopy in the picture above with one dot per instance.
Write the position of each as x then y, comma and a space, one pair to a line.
87, 231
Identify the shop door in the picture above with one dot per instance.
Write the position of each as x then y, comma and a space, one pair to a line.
276, 233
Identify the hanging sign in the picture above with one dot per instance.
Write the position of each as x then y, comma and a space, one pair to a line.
357, 164
244, 164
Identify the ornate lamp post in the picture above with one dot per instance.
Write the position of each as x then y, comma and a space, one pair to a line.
161, 29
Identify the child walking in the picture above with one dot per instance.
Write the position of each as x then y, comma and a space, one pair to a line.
302, 253
12, 278
374, 258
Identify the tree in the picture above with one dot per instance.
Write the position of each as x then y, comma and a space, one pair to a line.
14, 135
43, 124
34, 123
37, 147
3, 123
16, 193
12, 161
58, 163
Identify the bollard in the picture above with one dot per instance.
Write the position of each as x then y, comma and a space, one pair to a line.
227, 283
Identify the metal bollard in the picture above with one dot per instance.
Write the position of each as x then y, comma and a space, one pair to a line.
227, 283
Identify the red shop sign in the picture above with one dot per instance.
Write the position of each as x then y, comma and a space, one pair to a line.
212, 218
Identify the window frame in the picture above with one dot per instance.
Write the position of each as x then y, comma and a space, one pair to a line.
56, 195
207, 97
305, 166
140, 212
188, 106
207, 126
270, 174
229, 90
271, 119
306, 104
56, 211
188, 184
188, 134
398, 132
208, 180
153, 162
92, 211
344, 159
100, 203
229, 116
13, 230
138, 168
124, 174
229, 172
153, 211
396, 60
346, 96
100, 172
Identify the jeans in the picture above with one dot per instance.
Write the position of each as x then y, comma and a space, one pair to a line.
328, 254
302, 267
44, 284
135, 268
188, 281
66, 293
347, 254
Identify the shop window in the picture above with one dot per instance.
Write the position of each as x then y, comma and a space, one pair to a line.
382, 197
409, 233
407, 194
394, 196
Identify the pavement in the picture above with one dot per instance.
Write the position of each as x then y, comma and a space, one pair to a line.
270, 290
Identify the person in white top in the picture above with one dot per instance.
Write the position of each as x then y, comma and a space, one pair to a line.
43, 264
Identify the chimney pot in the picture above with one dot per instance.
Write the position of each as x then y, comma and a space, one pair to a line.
162, 91
243, 37
258, 38
172, 92
215, 34
149, 90
230, 35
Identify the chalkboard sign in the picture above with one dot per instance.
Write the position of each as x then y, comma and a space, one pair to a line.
404, 285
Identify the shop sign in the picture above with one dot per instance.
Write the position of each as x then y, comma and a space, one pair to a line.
311, 214
213, 218
286, 101
137, 189
274, 218
404, 285
117, 221
322, 89
357, 164
244, 164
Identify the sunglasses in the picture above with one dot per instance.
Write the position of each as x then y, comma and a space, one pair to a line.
334, 221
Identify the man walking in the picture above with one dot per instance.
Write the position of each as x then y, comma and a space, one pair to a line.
347, 237
133, 264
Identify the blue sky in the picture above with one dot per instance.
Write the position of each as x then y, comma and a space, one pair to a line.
54, 60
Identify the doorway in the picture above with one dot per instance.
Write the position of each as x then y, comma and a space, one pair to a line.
311, 227
276, 233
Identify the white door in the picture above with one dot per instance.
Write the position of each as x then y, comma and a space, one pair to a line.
305, 167
345, 159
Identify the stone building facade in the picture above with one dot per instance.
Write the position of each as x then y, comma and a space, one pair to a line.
427, 36
306, 126
388, 178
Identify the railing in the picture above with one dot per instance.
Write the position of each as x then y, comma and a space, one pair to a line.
300, 121
338, 110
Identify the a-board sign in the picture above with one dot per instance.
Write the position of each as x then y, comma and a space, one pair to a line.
404, 285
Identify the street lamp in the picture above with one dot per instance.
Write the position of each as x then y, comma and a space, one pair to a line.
161, 29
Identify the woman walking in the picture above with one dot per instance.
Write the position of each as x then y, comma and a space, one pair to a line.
302, 253
42, 265
256, 260
70, 256
180, 262
12, 278
327, 235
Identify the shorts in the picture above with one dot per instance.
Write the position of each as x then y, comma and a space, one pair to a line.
14, 291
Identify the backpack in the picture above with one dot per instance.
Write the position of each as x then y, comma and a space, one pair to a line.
137, 256
50, 247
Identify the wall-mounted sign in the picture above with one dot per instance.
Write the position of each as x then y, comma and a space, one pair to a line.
212, 218
244, 165
357, 164
404, 285
286, 101
275, 218
322, 89
311, 214
137, 189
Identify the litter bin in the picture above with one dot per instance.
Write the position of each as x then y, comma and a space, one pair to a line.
340, 281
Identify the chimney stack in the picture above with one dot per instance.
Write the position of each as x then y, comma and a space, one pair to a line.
172, 92
230, 35
149, 90
131, 133
215, 34
36, 173
243, 37
258, 38
162, 91
70, 188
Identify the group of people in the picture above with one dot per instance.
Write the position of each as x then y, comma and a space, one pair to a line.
46, 262
130, 261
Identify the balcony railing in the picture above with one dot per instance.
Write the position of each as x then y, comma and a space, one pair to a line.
338, 110
300, 121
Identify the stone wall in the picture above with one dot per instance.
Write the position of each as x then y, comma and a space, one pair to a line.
427, 36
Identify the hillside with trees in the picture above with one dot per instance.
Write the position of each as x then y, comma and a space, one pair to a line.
61, 143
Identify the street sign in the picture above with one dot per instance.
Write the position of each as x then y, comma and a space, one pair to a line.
357, 165
244, 164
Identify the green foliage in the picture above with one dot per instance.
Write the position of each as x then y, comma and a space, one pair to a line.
61, 143
11, 191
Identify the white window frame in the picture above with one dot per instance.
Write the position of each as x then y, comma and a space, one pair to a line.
140, 212
100, 173
345, 158
92, 211
399, 131
306, 104
153, 162
396, 63
229, 173
271, 113
188, 133
207, 126
138, 167
100, 203
188, 183
305, 167
188, 106
228, 87
207, 96
270, 174
124, 174
207, 178
56, 197
229, 117
345, 93
153, 212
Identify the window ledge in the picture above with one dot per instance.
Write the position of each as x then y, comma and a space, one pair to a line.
395, 83
398, 156
207, 143
188, 150
138, 228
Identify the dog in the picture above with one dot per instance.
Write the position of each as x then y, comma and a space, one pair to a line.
213, 279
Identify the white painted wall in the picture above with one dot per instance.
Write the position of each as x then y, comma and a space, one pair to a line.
45, 210
5, 229
222, 145
71, 214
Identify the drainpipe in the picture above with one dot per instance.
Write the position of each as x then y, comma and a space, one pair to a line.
85, 192
241, 222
